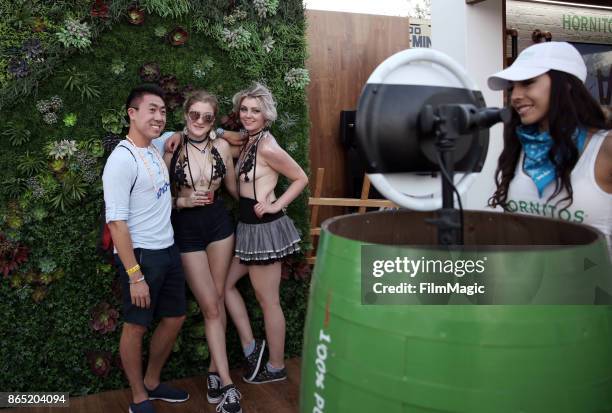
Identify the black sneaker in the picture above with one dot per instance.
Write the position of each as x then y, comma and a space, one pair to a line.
266, 376
230, 403
213, 388
253, 361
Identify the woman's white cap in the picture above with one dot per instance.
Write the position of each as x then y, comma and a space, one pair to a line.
539, 59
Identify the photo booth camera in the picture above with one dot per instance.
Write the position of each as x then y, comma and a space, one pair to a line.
421, 119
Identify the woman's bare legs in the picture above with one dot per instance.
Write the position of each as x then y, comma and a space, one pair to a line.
266, 282
235, 303
200, 281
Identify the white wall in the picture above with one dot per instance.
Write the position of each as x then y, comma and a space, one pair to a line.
473, 36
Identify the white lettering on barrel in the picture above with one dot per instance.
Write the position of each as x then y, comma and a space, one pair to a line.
319, 404
321, 370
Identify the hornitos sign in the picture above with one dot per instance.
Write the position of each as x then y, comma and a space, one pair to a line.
583, 23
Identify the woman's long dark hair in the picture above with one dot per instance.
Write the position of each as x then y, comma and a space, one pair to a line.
571, 106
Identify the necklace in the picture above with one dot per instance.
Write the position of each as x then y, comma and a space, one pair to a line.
201, 181
158, 191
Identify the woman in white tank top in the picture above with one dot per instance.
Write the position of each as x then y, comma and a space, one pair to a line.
557, 156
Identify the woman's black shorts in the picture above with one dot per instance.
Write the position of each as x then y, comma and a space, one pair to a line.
195, 228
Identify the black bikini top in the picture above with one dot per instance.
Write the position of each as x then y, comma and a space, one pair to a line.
179, 166
247, 160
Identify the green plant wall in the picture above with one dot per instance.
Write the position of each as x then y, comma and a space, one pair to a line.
65, 70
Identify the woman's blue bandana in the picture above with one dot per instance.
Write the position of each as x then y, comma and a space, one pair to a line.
536, 146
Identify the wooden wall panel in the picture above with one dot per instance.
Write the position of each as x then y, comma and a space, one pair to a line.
344, 49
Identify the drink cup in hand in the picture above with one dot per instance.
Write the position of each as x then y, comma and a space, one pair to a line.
210, 196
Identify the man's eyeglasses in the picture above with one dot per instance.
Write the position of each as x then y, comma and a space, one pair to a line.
206, 117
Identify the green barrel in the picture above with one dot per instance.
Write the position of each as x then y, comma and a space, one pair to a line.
457, 358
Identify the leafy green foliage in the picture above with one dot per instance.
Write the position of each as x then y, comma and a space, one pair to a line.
81, 82
52, 193
30, 164
16, 135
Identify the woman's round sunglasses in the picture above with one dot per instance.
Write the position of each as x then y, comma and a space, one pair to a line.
206, 117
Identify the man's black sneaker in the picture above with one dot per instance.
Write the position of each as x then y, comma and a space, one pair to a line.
230, 403
168, 394
266, 376
213, 388
253, 361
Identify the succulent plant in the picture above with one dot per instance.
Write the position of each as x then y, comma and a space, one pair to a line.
74, 34
238, 38
265, 8
160, 31
169, 83
18, 68
32, 49
70, 119
43, 106
237, 15
113, 121
135, 15
50, 118
58, 166
56, 103
39, 24
268, 44
117, 67
39, 213
297, 78
178, 36
99, 9
12, 255
87, 166
202, 67
100, 362
35, 186
39, 294
47, 265
62, 149
149, 72
104, 318
109, 141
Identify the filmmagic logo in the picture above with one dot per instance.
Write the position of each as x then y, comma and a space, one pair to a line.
410, 267
429, 288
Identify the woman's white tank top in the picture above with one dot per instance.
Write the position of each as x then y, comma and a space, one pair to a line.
592, 206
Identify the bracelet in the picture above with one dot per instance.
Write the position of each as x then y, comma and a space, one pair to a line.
137, 281
133, 270
220, 132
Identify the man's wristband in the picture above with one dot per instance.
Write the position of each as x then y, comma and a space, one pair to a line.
137, 281
133, 270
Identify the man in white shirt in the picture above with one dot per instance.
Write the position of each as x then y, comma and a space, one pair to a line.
138, 206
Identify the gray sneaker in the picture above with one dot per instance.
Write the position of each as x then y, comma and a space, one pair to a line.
253, 361
230, 403
266, 376
213, 388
